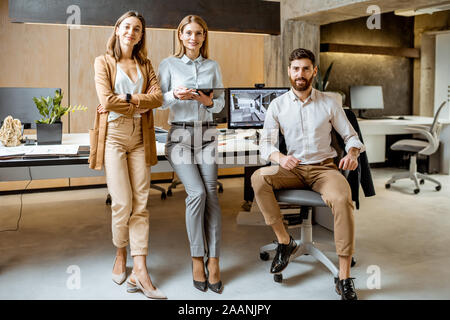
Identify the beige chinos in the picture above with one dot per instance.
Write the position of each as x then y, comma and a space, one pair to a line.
323, 178
128, 180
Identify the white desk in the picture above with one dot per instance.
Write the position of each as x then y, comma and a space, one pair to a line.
374, 134
233, 152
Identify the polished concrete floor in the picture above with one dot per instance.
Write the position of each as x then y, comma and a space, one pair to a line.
63, 248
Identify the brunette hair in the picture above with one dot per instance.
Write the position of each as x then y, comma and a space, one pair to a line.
181, 50
139, 50
301, 53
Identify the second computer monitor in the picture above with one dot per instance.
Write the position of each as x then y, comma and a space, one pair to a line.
366, 97
18, 103
248, 106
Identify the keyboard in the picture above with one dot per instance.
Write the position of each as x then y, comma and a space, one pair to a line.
379, 118
160, 130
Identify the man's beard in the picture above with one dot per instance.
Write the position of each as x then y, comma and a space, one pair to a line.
301, 87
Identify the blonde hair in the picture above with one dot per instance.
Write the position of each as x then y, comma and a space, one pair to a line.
139, 50
181, 50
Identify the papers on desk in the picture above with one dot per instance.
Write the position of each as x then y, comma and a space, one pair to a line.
11, 151
42, 150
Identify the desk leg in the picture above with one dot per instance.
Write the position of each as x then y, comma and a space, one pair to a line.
248, 190
375, 148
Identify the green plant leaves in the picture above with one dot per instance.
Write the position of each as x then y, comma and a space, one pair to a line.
50, 108
321, 82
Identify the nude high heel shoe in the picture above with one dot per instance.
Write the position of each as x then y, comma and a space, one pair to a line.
152, 294
131, 287
119, 278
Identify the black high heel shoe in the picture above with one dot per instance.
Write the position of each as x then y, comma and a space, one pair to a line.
216, 287
200, 285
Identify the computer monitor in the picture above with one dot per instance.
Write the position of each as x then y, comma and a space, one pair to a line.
222, 116
18, 103
247, 107
366, 97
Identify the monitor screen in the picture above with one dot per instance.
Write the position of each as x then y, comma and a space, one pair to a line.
18, 103
219, 117
366, 97
247, 107
222, 116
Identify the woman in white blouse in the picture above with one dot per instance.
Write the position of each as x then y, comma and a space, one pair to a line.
127, 89
192, 141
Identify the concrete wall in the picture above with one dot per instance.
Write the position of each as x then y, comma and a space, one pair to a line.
295, 34
394, 74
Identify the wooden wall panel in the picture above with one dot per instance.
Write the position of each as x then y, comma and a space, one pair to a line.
240, 56
160, 45
86, 43
33, 55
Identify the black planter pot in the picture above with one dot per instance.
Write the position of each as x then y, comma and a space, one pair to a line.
49, 133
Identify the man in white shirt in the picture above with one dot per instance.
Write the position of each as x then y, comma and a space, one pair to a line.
306, 116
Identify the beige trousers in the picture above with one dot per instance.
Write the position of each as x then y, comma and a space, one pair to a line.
323, 178
128, 180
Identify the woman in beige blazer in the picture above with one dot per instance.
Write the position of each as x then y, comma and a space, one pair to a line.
123, 140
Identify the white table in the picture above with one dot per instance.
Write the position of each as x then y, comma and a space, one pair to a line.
374, 134
233, 152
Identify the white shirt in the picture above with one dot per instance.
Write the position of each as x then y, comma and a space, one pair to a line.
201, 73
307, 126
124, 85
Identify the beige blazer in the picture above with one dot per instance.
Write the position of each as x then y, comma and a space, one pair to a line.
105, 76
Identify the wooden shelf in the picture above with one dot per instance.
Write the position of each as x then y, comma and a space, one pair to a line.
390, 51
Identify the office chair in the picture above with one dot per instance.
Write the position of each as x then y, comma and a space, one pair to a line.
307, 200
163, 191
414, 147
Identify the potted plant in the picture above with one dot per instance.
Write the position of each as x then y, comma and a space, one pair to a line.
49, 128
322, 84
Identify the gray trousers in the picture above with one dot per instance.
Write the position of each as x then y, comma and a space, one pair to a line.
192, 153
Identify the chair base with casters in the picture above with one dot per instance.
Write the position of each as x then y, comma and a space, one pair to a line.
177, 182
307, 199
161, 189
152, 186
416, 177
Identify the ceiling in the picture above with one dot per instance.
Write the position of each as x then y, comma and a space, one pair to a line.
352, 9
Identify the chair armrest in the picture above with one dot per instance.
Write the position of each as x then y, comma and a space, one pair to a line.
422, 130
433, 141
420, 126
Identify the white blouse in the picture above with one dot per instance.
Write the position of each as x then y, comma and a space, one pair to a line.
124, 85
